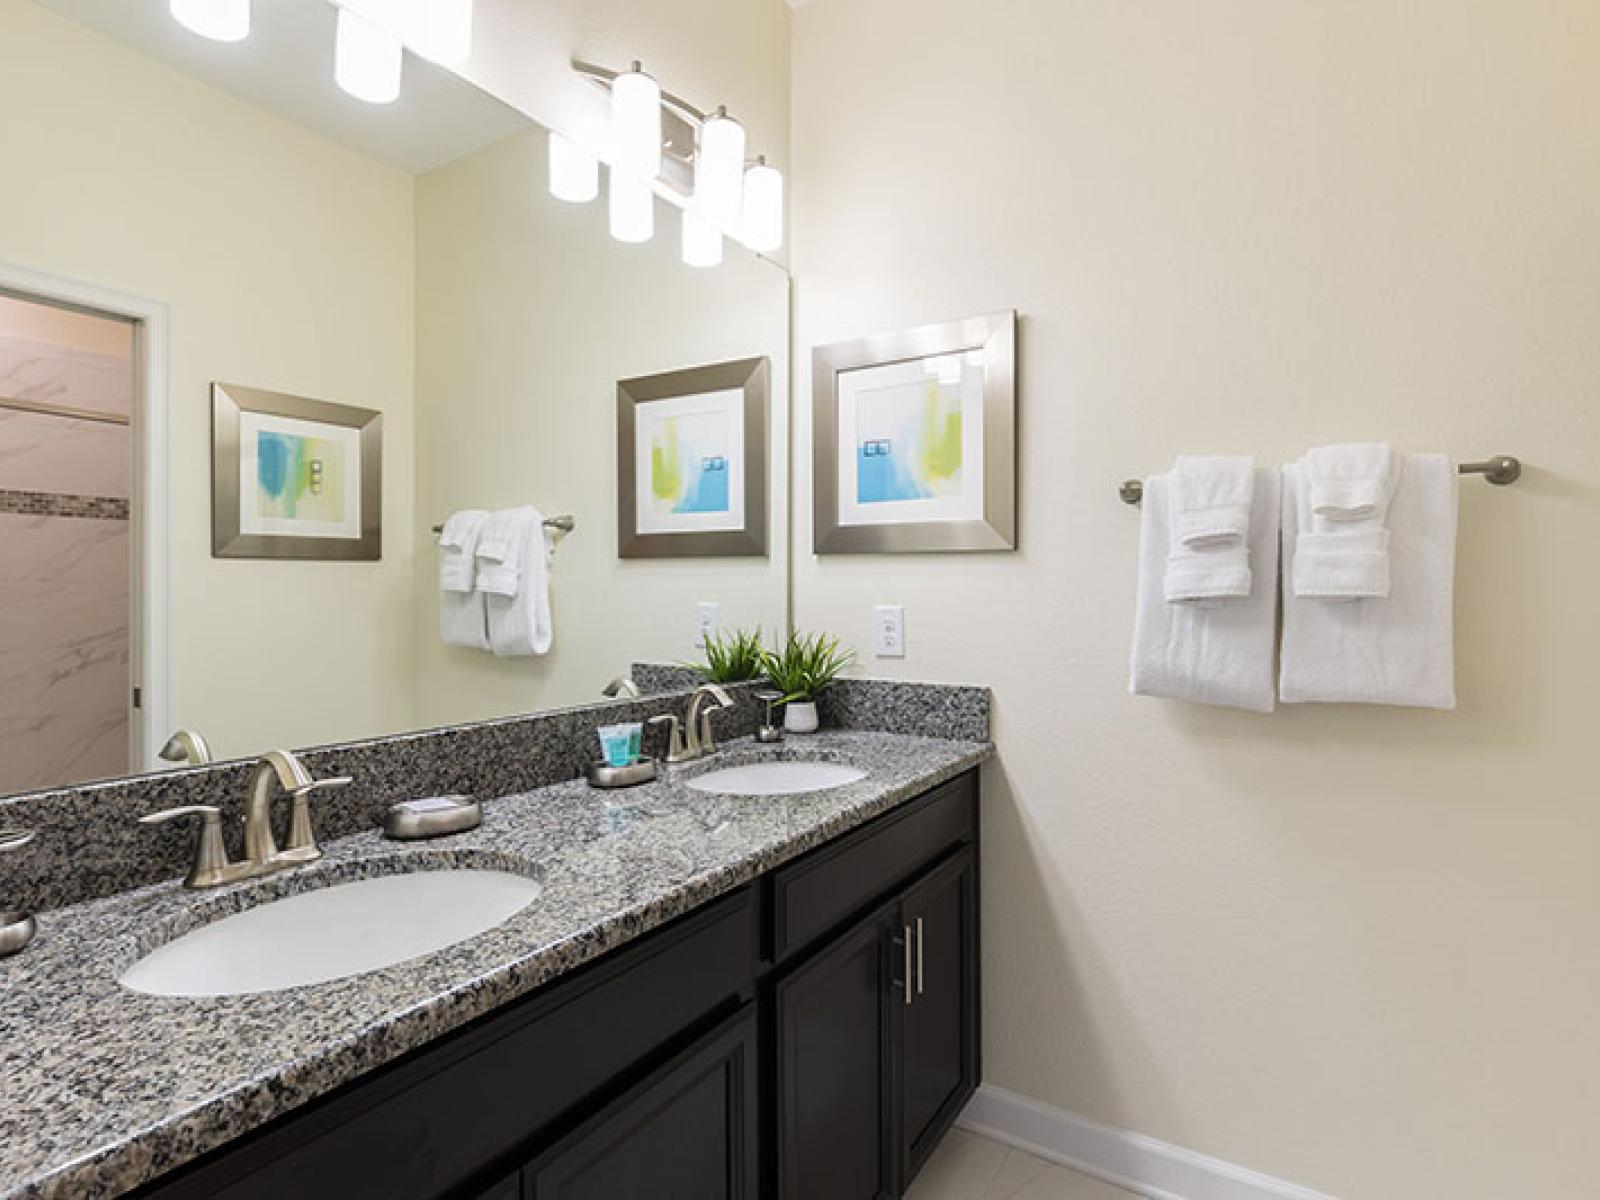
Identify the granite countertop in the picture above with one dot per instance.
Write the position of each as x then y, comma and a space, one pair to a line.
102, 1089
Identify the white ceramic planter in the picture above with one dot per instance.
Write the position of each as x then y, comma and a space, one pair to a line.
800, 716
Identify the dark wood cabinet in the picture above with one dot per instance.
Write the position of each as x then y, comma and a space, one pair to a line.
816, 1030
832, 1023
687, 1132
937, 1064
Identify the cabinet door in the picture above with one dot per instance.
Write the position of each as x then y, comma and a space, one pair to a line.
687, 1132
937, 1064
831, 1019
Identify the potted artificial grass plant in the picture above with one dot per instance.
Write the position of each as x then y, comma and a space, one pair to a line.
805, 668
733, 657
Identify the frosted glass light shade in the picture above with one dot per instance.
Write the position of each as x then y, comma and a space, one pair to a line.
574, 171
719, 170
219, 20
761, 227
702, 241
366, 59
636, 124
632, 209
446, 31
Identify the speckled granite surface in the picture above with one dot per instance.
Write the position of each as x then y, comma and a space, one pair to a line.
105, 1089
90, 844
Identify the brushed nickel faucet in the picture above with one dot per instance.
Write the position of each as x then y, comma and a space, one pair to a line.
278, 772
187, 746
700, 741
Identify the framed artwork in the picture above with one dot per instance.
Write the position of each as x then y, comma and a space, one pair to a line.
914, 439
692, 462
294, 478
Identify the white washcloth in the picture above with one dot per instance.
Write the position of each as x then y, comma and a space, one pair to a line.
1211, 500
519, 624
1207, 574
1217, 654
463, 618
499, 552
1351, 482
1397, 650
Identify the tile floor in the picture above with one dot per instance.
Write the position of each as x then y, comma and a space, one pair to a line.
969, 1167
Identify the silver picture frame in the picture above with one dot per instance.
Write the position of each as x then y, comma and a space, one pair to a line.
995, 336
753, 376
228, 402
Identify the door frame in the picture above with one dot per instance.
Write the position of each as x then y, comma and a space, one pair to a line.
149, 667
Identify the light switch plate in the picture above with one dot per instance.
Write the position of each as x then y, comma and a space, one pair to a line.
889, 631
707, 614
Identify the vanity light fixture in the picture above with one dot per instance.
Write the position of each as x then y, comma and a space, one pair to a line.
366, 58
574, 170
761, 224
446, 31
658, 144
702, 241
719, 168
632, 207
636, 124
219, 20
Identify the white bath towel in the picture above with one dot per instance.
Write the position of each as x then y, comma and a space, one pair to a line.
463, 618
1351, 482
1211, 499
519, 624
1210, 654
499, 552
1398, 650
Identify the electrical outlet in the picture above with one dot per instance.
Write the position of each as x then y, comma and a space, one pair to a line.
706, 616
889, 631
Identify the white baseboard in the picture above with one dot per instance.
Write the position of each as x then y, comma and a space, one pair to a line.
1130, 1160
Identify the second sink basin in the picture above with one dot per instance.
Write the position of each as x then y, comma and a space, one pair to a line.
332, 933
777, 778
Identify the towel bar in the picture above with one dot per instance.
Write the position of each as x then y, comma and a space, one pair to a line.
1501, 470
566, 524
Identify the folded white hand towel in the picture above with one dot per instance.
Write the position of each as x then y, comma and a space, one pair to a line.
499, 551
463, 619
1212, 573
1211, 500
1397, 650
519, 624
458, 548
1351, 482
1216, 654
1349, 565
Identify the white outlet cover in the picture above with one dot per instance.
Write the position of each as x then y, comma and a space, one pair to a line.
889, 631
707, 615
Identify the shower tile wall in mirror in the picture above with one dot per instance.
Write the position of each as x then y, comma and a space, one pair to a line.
404, 258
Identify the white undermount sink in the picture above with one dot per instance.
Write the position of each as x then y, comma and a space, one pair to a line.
332, 933
779, 778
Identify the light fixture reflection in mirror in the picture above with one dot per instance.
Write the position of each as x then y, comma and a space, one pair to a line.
761, 227
574, 171
632, 208
366, 59
702, 241
447, 31
719, 169
219, 20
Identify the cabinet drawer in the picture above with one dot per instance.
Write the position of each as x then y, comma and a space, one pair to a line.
820, 891
430, 1124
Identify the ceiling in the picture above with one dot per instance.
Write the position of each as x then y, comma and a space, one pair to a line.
286, 67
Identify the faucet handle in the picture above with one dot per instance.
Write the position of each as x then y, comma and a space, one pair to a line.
210, 856
675, 751
15, 839
302, 842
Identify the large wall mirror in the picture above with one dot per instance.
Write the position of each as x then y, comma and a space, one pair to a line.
182, 213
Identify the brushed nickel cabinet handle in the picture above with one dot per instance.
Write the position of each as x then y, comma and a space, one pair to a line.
919, 956
906, 942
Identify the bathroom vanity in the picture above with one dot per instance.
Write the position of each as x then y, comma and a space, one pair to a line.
713, 995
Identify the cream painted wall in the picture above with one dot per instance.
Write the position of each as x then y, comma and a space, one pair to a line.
528, 314
1351, 947
287, 264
